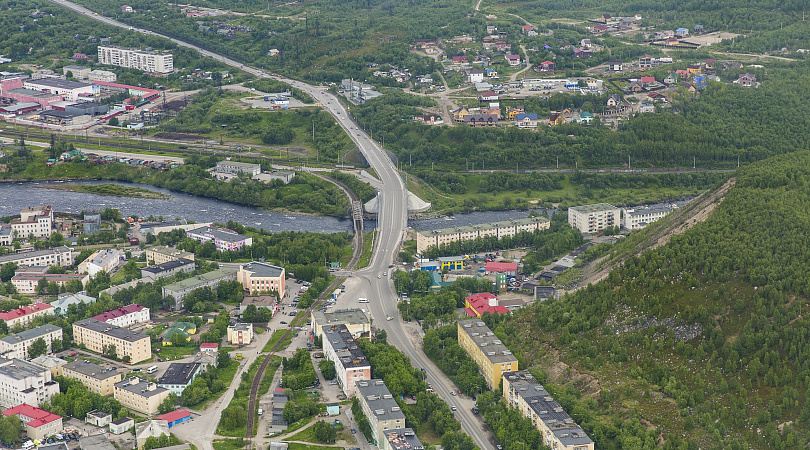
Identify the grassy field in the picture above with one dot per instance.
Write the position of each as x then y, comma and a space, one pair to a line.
171, 352
277, 335
368, 242
229, 444
299, 446
240, 398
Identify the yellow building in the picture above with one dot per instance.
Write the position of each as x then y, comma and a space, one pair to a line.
161, 254
100, 380
240, 333
512, 111
261, 277
481, 344
96, 335
140, 395
558, 429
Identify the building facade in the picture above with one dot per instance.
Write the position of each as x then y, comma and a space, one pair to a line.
26, 281
68, 90
51, 363
223, 239
435, 238
147, 61
100, 380
240, 333
351, 365
96, 335
178, 376
161, 255
235, 168
106, 260
261, 277
558, 429
24, 382
139, 395
181, 288
23, 315
36, 221
39, 424
638, 218
380, 408
124, 316
593, 218
59, 256
16, 345
481, 344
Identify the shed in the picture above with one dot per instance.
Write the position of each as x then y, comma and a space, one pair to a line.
175, 417
332, 409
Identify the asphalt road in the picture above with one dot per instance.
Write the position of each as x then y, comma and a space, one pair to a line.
391, 225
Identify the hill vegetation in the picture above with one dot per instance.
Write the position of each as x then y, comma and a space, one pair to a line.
705, 339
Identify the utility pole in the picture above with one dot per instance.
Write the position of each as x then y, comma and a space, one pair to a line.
738, 161
694, 161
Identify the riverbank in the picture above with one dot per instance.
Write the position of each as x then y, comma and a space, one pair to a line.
110, 190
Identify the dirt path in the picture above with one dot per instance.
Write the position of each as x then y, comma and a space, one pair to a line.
528, 64
679, 222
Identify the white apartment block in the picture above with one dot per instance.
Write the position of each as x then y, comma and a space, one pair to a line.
380, 408
235, 168
105, 260
351, 365
638, 218
36, 221
16, 345
59, 256
124, 316
148, 61
593, 218
24, 382
435, 238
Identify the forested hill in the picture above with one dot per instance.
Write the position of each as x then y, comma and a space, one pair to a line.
707, 337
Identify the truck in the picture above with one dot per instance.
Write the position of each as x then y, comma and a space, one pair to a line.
239, 356
336, 294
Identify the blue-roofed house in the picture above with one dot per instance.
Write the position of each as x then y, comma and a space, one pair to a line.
526, 120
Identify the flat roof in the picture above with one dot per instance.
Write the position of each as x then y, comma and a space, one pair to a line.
261, 269
650, 210
167, 266
547, 409
346, 349
218, 233
31, 93
34, 254
594, 208
58, 113
484, 226
341, 316
18, 369
403, 439
140, 387
380, 401
179, 373
33, 333
111, 330
486, 341
239, 164
199, 279
21, 105
95, 442
168, 251
59, 83
91, 370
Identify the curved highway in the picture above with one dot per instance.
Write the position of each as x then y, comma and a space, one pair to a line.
391, 225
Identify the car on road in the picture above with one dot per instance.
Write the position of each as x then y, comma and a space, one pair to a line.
283, 322
388, 318
379, 276
260, 411
385, 274
354, 431
453, 408
332, 383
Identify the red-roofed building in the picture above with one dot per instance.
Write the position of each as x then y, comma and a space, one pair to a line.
175, 417
209, 347
124, 316
80, 56
24, 315
146, 93
502, 267
647, 80
478, 304
546, 66
489, 96
460, 60
598, 29
39, 423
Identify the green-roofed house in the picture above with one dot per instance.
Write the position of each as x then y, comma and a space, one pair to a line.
181, 288
186, 329
436, 282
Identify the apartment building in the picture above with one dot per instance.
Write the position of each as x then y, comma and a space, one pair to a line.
435, 238
351, 365
24, 382
124, 316
178, 376
95, 335
380, 408
167, 269
59, 256
64, 301
593, 218
147, 61
261, 277
401, 439
356, 321
16, 345
638, 218
222, 238
39, 424
51, 363
481, 344
240, 333
23, 315
558, 429
142, 396
235, 168
100, 380
181, 288
102, 261
36, 221
26, 280
161, 254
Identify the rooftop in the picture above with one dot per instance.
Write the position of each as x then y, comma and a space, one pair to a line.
547, 409
261, 269
95, 442
219, 234
651, 210
168, 251
346, 348
174, 415
119, 312
345, 316
91, 370
167, 266
48, 361
179, 373
58, 113
58, 83
598, 207
380, 401
18, 369
484, 226
199, 279
110, 330
31, 93
238, 164
501, 267
38, 416
486, 341
403, 439
140, 387
33, 333
24, 311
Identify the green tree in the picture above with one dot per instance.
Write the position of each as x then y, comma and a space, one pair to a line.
168, 404
327, 368
113, 122
110, 351
7, 271
324, 432
10, 428
38, 347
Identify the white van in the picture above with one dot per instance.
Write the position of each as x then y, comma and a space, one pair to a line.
152, 369
362, 300
260, 411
